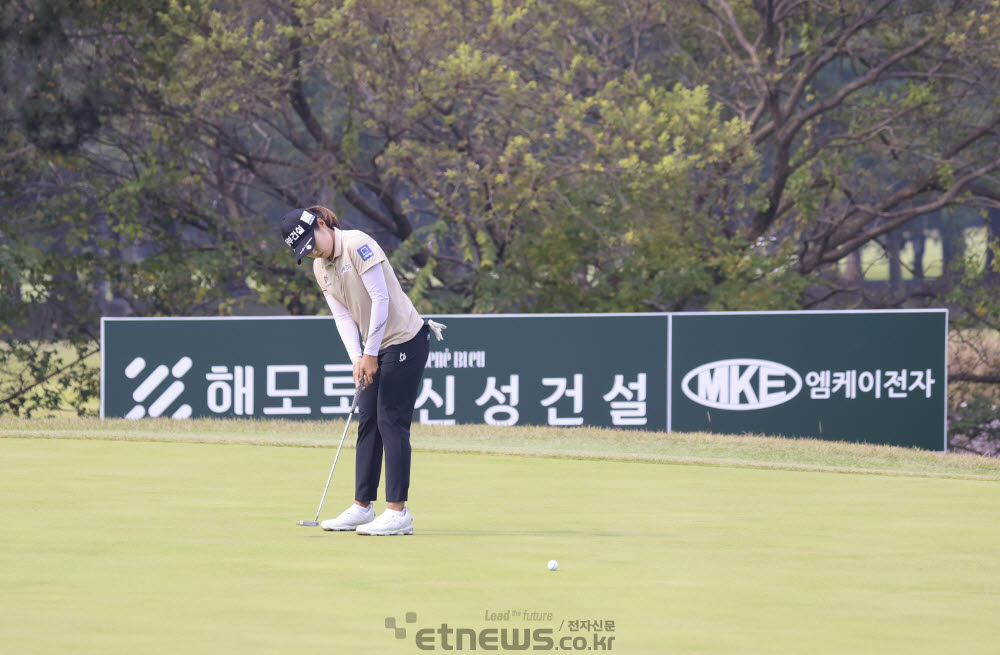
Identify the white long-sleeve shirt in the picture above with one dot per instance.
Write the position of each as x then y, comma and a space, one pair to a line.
374, 280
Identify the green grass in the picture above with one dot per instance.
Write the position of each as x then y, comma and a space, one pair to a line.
167, 537
580, 443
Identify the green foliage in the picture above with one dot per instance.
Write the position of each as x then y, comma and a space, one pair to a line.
975, 422
38, 378
110, 219
977, 293
518, 156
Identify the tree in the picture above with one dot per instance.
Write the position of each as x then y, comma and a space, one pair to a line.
870, 114
534, 156
461, 131
96, 214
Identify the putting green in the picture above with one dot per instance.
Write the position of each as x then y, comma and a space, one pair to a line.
143, 547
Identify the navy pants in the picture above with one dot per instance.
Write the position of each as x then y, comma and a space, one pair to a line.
386, 410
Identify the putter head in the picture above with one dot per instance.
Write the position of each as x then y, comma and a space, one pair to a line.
311, 524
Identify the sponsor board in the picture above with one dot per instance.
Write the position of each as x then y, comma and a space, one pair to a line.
502, 370
867, 376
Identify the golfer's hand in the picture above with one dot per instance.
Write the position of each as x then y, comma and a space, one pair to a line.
365, 369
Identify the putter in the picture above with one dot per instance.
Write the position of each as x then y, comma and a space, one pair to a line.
354, 405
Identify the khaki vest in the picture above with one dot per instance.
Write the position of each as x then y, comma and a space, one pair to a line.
354, 252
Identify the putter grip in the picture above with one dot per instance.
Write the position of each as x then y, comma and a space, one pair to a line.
357, 395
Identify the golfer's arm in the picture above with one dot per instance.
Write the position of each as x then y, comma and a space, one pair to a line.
374, 280
346, 326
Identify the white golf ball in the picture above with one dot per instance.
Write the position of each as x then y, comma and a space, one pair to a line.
553, 565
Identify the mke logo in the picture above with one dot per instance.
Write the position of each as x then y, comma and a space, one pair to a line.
741, 384
151, 382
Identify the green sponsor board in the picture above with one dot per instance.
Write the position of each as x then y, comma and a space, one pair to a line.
865, 376
858, 376
598, 370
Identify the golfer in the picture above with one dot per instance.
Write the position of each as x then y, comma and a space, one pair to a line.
364, 294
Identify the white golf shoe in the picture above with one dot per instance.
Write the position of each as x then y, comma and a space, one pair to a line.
389, 522
351, 518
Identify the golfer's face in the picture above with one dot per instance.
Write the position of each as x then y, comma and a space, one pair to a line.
324, 242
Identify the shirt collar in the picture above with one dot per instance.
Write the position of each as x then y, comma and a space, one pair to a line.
338, 246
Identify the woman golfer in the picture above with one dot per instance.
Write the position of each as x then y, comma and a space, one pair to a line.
363, 293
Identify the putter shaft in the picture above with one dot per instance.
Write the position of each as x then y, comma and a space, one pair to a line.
350, 415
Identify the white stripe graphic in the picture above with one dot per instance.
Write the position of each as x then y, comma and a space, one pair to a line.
182, 366
184, 411
150, 383
135, 368
136, 412
169, 396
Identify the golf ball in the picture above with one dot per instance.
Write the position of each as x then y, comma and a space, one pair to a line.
553, 565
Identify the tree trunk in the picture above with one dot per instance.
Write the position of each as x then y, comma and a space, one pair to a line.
893, 246
993, 245
952, 245
853, 271
919, 240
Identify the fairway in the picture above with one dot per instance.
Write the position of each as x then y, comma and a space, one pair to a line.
113, 546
